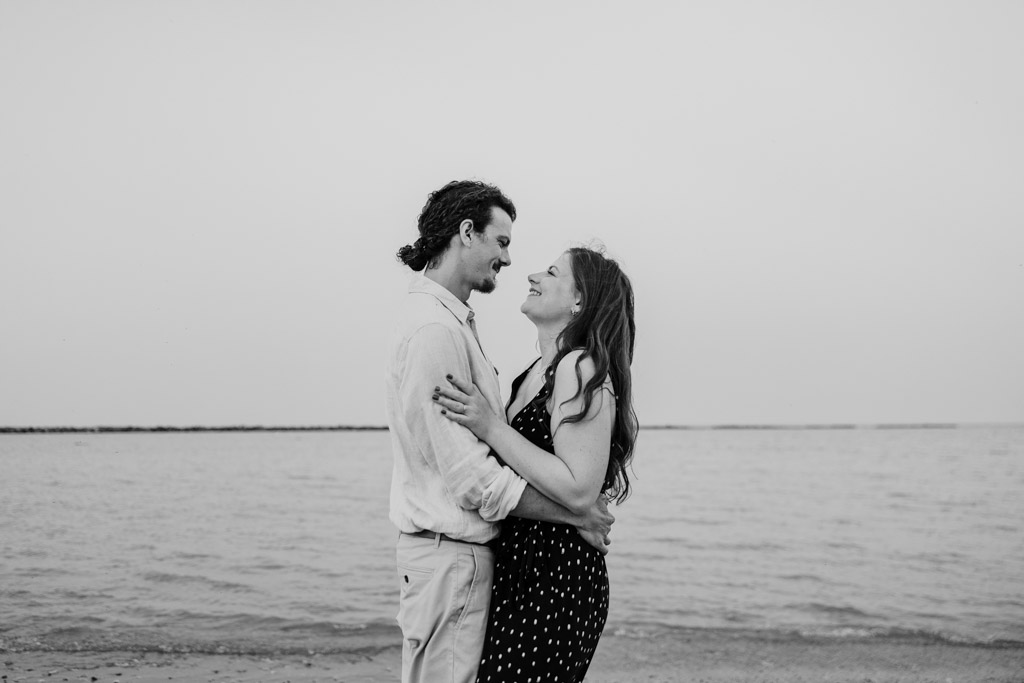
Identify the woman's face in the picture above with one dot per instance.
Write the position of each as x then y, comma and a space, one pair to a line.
552, 293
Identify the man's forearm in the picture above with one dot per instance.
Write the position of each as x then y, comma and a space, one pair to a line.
535, 505
594, 526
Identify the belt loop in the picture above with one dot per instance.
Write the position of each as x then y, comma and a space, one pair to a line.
437, 539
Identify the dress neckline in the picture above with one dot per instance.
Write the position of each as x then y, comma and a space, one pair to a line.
516, 384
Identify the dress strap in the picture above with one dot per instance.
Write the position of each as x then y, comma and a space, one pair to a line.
518, 381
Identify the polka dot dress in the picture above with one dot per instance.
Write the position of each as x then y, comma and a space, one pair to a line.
550, 596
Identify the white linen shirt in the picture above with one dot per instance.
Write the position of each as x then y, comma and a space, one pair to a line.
444, 478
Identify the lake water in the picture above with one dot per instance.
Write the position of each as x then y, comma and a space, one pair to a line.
272, 542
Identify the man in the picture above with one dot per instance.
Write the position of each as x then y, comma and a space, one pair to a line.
447, 492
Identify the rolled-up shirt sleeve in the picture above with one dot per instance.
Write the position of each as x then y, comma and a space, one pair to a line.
473, 478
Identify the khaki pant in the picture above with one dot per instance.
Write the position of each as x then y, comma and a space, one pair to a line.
445, 595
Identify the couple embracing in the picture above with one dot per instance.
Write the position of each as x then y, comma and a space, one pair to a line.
502, 509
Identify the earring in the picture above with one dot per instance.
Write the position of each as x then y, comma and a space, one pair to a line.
574, 310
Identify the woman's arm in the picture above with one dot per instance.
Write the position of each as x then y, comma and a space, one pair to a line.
572, 478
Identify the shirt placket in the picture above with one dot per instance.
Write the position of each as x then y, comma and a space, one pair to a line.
471, 321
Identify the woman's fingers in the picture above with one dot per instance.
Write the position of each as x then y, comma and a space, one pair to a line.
454, 417
460, 385
451, 405
448, 392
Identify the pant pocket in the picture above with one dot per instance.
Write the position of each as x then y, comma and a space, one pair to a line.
414, 617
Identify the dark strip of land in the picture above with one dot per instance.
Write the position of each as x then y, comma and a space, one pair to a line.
923, 425
381, 428
234, 428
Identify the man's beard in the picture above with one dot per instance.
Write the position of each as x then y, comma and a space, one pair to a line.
487, 285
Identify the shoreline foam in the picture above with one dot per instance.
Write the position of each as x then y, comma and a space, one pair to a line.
341, 641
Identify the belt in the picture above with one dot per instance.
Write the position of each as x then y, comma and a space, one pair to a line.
438, 536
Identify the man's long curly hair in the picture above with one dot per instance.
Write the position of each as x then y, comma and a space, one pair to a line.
444, 212
604, 329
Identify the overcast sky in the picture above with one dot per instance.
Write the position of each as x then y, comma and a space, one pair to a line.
820, 204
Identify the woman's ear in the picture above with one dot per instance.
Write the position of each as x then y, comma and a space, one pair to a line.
466, 232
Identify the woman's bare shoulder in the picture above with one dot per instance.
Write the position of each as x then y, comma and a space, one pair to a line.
566, 370
565, 373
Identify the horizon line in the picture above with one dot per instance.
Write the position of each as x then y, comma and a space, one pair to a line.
105, 429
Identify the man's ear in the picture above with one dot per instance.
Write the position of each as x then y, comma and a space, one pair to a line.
466, 232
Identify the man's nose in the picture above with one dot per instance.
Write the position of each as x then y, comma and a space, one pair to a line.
506, 260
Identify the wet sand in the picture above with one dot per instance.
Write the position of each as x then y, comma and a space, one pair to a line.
701, 657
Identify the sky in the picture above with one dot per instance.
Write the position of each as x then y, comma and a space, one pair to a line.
819, 203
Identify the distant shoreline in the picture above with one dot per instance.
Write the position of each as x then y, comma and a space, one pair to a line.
381, 428
232, 428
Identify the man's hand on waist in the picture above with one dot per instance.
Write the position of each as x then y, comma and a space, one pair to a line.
596, 525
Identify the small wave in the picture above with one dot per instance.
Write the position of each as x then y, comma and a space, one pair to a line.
39, 572
330, 639
669, 539
699, 521
675, 522
803, 577
182, 555
676, 542
940, 559
165, 577
1002, 602
641, 558
73, 594
907, 635
301, 639
844, 545
324, 628
654, 629
76, 632
835, 610
142, 546
757, 547
273, 566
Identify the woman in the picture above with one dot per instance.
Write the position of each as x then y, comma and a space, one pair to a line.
570, 433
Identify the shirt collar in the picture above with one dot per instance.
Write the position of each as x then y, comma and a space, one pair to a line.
421, 284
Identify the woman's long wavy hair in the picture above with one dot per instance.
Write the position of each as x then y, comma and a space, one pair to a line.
605, 330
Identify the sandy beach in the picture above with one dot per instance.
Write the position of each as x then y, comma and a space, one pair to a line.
701, 657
